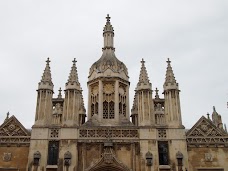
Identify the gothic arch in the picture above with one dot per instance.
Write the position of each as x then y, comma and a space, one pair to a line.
108, 168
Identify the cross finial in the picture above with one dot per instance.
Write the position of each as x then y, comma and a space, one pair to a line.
48, 61
168, 61
108, 18
60, 94
74, 61
142, 61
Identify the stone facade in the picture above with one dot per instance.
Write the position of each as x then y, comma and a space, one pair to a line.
149, 137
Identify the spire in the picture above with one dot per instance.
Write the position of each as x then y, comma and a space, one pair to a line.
73, 82
60, 93
7, 117
170, 81
156, 93
144, 82
46, 80
108, 34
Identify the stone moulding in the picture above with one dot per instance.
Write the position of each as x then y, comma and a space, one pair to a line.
106, 133
207, 141
15, 140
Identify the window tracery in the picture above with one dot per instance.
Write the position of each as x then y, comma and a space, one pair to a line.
94, 99
122, 99
108, 100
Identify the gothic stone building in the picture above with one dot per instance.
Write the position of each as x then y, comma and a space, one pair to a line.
149, 137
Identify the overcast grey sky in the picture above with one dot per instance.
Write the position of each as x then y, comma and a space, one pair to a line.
193, 34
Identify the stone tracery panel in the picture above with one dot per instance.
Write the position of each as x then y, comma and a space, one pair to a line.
94, 98
105, 133
108, 100
122, 99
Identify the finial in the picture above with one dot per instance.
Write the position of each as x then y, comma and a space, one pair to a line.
142, 61
208, 115
7, 116
60, 93
108, 18
48, 61
214, 109
168, 61
74, 61
156, 95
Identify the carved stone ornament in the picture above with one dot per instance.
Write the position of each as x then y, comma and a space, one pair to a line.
108, 156
179, 155
36, 158
54, 133
149, 159
67, 158
108, 88
205, 133
7, 157
208, 157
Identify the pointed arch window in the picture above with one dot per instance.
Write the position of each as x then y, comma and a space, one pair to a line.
108, 110
53, 152
163, 150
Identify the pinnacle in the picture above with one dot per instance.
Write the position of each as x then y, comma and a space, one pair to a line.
46, 80
73, 77
7, 116
47, 73
143, 77
60, 93
156, 93
170, 78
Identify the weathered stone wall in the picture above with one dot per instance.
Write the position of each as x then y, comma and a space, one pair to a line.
18, 159
208, 157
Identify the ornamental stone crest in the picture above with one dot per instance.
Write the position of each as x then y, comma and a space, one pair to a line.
208, 157
7, 157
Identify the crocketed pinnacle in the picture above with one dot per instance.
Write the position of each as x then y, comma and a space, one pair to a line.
170, 81
144, 82
47, 73
73, 82
46, 80
169, 74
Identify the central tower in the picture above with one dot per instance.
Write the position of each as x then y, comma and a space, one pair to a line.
108, 85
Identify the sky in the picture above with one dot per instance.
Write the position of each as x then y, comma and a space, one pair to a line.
193, 34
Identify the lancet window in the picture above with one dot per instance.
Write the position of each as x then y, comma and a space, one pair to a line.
163, 151
122, 99
53, 152
108, 100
